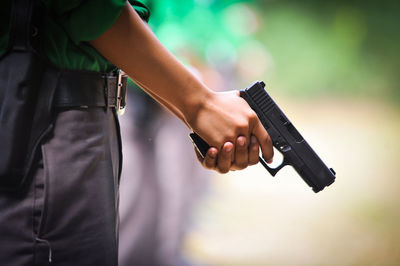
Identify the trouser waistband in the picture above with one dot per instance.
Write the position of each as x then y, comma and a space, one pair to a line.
90, 89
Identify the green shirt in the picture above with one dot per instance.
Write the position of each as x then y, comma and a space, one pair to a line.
70, 26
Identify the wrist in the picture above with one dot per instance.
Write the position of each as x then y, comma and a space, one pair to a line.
195, 102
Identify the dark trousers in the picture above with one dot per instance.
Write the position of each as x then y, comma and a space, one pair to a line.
68, 212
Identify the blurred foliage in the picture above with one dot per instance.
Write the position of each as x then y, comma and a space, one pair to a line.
346, 47
301, 48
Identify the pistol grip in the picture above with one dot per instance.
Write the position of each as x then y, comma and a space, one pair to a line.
201, 146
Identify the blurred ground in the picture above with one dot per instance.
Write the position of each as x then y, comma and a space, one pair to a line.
250, 218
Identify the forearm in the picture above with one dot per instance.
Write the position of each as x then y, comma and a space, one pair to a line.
167, 105
132, 46
217, 117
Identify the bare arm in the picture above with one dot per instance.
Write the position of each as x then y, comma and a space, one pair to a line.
131, 45
218, 117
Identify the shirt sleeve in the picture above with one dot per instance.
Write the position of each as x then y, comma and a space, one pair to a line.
85, 20
141, 9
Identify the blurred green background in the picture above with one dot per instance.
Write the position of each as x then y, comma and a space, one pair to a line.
333, 67
306, 48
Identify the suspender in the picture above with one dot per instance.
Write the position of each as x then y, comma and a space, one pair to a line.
20, 25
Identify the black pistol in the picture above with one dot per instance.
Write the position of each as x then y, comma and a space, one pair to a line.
285, 138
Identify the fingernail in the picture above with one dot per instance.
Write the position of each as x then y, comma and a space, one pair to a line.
228, 148
270, 161
253, 140
241, 141
212, 153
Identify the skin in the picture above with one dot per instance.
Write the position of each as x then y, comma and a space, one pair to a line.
245, 156
223, 119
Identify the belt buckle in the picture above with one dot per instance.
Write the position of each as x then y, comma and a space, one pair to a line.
121, 93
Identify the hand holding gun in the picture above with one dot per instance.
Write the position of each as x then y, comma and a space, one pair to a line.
285, 138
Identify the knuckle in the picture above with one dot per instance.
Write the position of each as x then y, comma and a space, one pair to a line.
252, 115
243, 127
230, 137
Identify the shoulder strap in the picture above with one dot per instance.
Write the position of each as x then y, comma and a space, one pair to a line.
20, 25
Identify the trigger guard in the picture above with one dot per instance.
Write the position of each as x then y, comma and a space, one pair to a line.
273, 171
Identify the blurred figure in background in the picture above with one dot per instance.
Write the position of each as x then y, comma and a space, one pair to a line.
158, 186
158, 195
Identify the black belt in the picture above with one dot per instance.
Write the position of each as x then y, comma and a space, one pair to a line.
91, 89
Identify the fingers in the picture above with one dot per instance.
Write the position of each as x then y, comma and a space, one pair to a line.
221, 161
241, 159
245, 154
224, 160
232, 157
241, 154
264, 140
210, 160
254, 150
